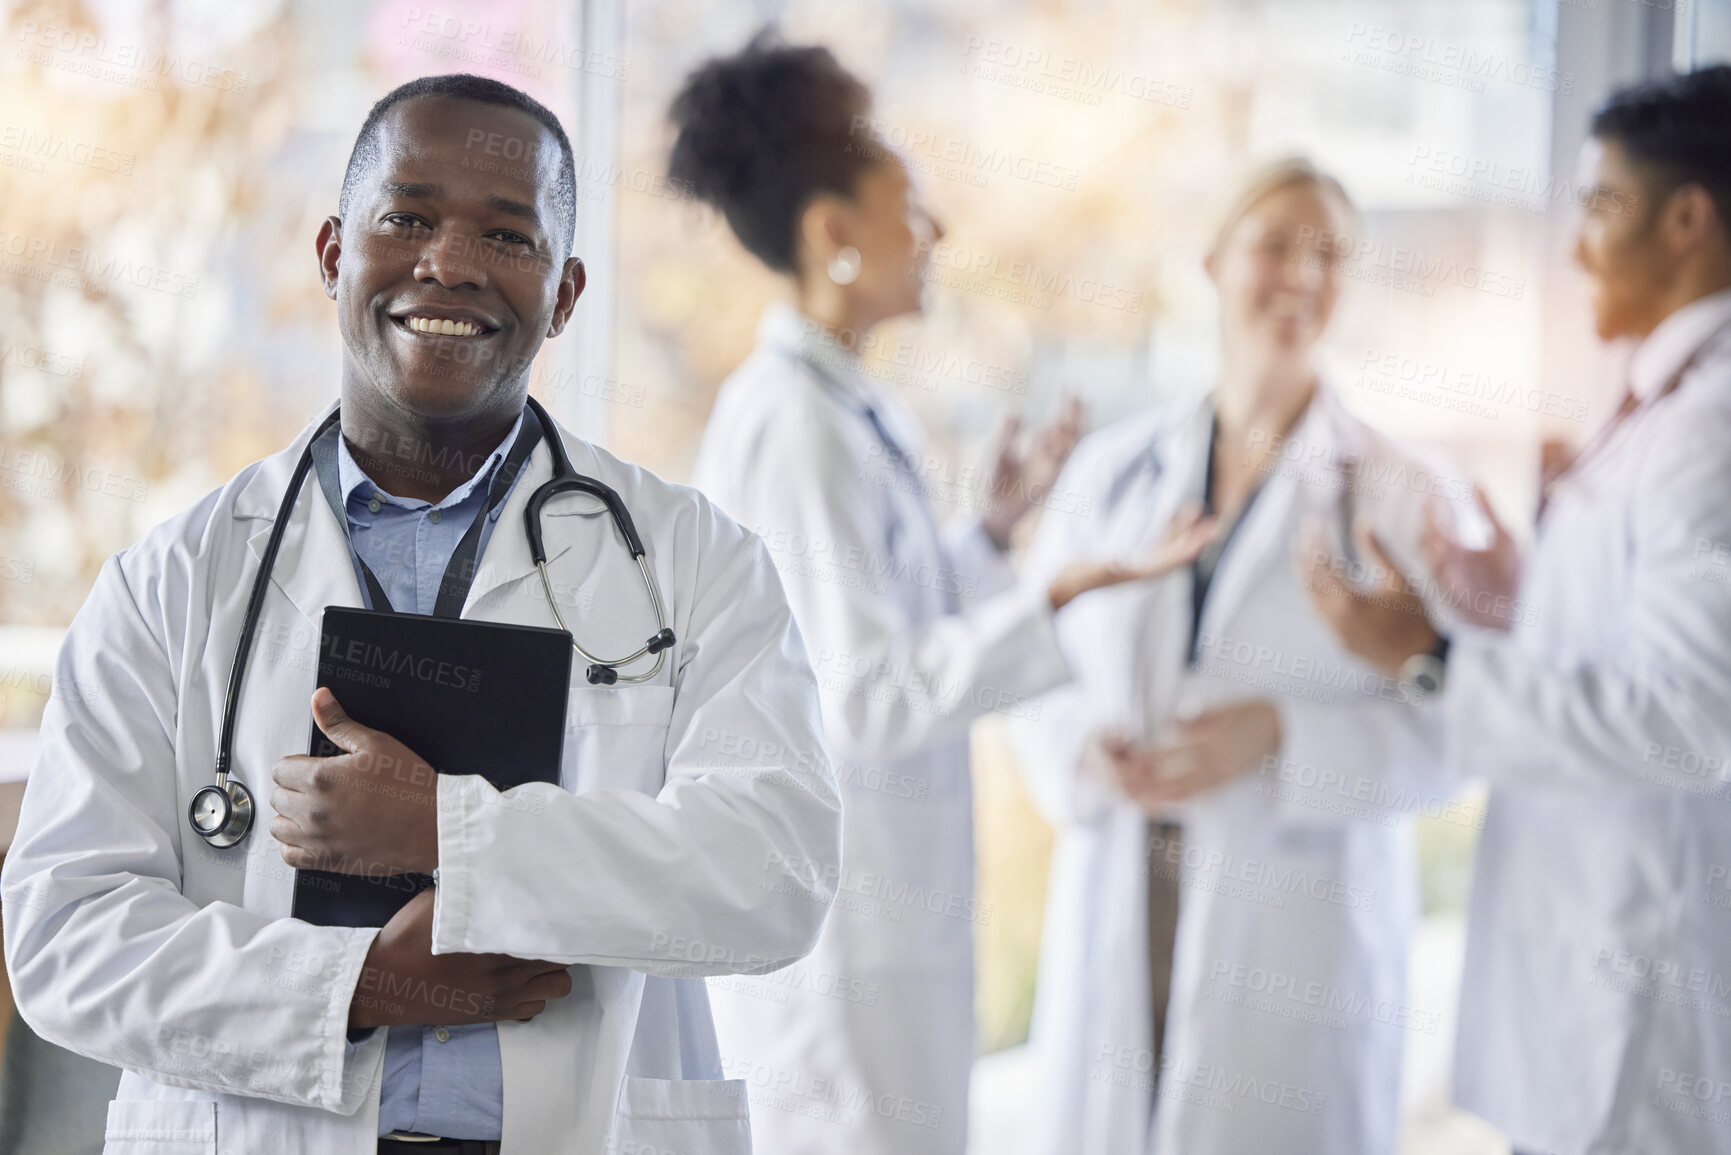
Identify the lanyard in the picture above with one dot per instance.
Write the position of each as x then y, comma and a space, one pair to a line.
1601, 441
899, 457
460, 571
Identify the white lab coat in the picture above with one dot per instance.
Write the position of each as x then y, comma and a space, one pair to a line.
131, 941
1287, 1007
866, 1045
1596, 1000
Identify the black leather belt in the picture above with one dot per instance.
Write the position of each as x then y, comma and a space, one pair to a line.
438, 1147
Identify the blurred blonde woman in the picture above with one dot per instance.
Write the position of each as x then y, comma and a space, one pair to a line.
1224, 956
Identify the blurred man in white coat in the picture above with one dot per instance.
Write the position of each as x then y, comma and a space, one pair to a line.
1596, 1005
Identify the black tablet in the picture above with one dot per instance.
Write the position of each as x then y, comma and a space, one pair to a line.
469, 697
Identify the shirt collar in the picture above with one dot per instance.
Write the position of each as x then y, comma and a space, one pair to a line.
351, 477
785, 330
1669, 346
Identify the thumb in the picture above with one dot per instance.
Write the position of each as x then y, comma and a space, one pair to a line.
1371, 546
1008, 430
335, 721
1483, 501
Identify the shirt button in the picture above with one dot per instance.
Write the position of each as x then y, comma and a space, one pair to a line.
442, 1035
374, 503
435, 517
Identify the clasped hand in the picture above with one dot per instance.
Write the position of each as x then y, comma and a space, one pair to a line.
1197, 755
372, 809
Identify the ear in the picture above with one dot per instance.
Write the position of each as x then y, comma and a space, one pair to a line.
571, 283
1211, 266
1690, 218
823, 229
329, 246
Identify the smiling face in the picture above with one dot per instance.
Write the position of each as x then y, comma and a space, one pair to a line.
1277, 272
448, 271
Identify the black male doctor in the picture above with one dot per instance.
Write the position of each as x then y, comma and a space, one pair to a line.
545, 996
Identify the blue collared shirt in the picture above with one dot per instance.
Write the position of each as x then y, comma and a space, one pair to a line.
438, 1080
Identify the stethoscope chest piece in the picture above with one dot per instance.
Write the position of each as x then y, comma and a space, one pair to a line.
221, 814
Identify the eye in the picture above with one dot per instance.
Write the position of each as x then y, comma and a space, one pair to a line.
404, 221
509, 237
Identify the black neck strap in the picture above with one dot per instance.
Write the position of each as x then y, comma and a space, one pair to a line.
460, 572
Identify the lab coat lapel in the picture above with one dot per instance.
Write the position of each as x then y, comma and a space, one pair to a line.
507, 570
1160, 618
1264, 539
312, 567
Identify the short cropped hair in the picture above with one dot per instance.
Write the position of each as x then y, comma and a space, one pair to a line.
464, 86
1678, 130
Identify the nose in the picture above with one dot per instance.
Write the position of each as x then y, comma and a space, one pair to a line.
1307, 270
449, 260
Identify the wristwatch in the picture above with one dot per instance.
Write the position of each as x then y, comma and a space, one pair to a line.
1428, 671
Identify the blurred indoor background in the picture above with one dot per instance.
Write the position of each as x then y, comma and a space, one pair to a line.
164, 165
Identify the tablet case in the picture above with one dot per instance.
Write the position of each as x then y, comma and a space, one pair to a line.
469, 697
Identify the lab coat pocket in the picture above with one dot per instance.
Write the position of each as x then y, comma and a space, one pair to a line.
683, 1117
615, 737
160, 1127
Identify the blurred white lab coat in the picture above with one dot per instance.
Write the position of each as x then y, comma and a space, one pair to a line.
1596, 1002
131, 941
1287, 1008
866, 1045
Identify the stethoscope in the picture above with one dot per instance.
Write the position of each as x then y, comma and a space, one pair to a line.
222, 813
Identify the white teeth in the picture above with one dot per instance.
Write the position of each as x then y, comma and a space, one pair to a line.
440, 327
